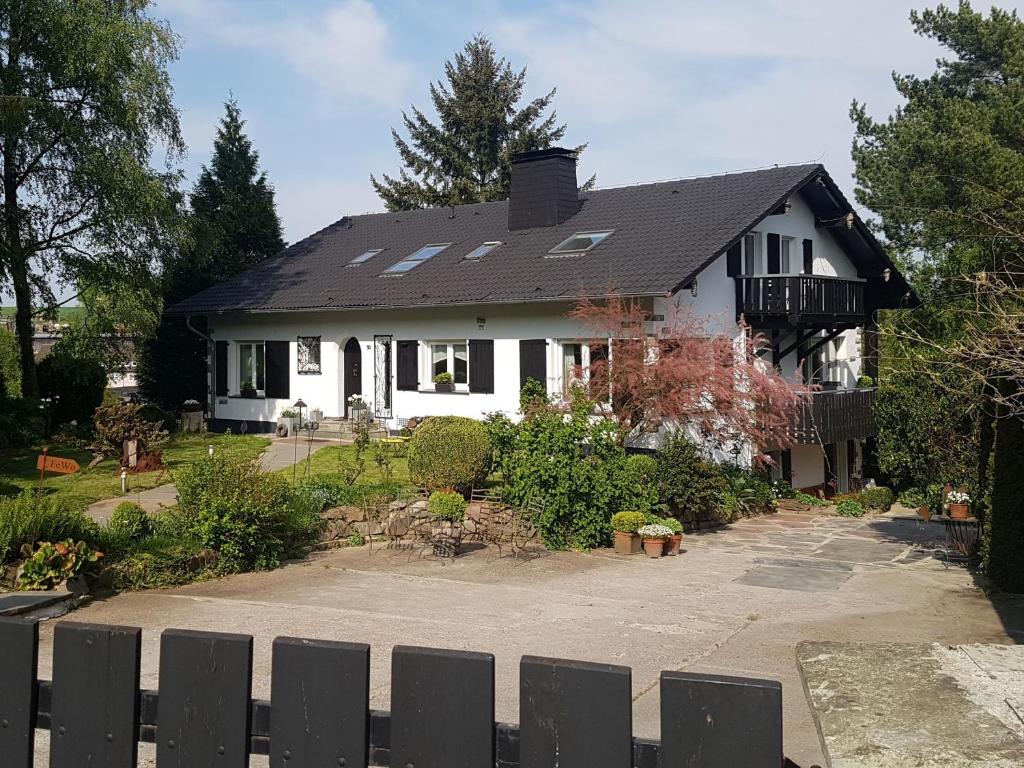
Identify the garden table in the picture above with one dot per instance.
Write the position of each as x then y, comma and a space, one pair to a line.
963, 538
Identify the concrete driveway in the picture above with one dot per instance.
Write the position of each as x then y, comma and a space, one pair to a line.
736, 602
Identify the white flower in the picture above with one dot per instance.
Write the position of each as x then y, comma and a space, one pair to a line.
654, 531
958, 497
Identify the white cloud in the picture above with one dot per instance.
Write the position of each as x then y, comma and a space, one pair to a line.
346, 50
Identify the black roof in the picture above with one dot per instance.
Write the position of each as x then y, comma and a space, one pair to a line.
664, 233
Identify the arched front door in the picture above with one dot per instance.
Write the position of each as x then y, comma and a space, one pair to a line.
351, 373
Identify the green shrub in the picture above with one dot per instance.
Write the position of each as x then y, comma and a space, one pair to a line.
750, 492
783, 490
628, 522
913, 497
249, 518
355, 539
27, 519
10, 365
865, 381
74, 377
159, 562
879, 497
21, 422
672, 524
449, 452
49, 564
447, 505
850, 508
688, 481
1004, 528
806, 498
576, 464
130, 522
532, 395
637, 485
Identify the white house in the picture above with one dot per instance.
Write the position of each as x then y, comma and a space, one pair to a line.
380, 304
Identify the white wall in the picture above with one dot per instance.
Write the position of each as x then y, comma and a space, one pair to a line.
506, 325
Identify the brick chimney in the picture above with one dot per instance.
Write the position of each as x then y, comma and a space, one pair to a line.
543, 188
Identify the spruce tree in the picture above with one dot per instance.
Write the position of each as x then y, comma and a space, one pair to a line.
233, 225
464, 157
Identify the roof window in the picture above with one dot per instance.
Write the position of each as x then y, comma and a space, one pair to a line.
413, 260
363, 257
580, 242
481, 250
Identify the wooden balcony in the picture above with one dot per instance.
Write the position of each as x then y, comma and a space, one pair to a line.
813, 301
831, 417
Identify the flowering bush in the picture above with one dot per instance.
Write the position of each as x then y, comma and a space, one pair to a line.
654, 531
958, 497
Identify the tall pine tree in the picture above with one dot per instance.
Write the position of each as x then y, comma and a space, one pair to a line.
465, 157
233, 225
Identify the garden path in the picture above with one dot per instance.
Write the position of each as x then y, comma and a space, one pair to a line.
280, 453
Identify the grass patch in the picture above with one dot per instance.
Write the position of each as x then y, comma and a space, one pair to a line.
329, 462
18, 468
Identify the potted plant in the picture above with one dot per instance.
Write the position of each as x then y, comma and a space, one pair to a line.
675, 541
448, 509
654, 536
289, 420
625, 525
247, 389
191, 416
444, 382
959, 505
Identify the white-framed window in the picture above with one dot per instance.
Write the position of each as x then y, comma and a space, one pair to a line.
251, 366
573, 363
447, 357
753, 255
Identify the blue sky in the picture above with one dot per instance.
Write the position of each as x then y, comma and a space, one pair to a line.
659, 89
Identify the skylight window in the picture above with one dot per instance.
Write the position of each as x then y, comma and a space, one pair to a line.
580, 242
481, 250
363, 257
415, 259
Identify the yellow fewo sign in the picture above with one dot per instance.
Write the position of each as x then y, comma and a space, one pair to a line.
47, 463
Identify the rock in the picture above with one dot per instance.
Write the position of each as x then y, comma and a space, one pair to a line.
368, 528
792, 505
202, 560
354, 514
398, 505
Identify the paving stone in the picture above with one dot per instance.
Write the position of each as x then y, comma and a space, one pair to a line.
794, 579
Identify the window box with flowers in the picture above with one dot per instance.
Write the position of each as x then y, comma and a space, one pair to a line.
444, 382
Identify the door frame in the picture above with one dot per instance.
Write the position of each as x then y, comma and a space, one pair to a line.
350, 350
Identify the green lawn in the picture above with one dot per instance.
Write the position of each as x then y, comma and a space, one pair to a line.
18, 467
326, 462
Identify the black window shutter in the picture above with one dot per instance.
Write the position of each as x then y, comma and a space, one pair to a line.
277, 369
533, 361
481, 366
733, 262
773, 261
220, 369
808, 257
408, 375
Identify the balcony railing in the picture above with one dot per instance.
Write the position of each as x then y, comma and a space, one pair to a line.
795, 298
831, 417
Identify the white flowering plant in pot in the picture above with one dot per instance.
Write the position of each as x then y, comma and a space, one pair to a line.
654, 531
958, 497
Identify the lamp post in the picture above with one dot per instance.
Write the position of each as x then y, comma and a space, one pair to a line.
299, 406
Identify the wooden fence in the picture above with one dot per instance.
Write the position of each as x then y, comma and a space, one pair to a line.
573, 714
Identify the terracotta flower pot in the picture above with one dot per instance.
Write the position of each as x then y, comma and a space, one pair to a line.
627, 543
654, 547
925, 512
959, 511
673, 543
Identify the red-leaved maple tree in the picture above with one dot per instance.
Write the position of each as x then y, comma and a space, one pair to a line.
685, 376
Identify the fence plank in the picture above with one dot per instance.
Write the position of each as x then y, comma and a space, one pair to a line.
19, 655
574, 714
711, 721
203, 714
319, 703
442, 708
94, 705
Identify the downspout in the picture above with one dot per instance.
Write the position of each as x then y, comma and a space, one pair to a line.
211, 397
